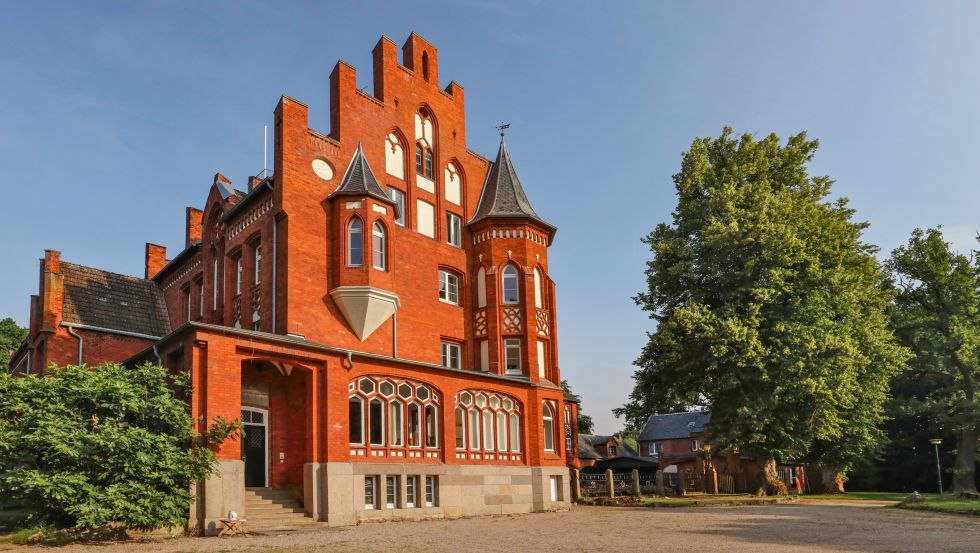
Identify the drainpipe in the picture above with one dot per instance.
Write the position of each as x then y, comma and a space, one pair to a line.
394, 336
275, 258
81, 342
156, 353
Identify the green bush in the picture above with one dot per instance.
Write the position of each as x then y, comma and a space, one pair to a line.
81, 447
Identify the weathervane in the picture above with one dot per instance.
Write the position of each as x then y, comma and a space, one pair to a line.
502, 127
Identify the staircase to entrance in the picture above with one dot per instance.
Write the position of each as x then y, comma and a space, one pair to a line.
269, 510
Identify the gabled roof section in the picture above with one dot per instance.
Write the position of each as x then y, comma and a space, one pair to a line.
674, 425
98, 298
503, 195
359, 179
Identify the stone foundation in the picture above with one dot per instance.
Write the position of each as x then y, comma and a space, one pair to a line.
334, 492
224, 491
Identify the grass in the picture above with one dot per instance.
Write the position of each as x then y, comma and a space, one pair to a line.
947, 504
863, 496
699, 500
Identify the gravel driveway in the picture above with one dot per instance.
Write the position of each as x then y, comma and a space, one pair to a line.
793, 528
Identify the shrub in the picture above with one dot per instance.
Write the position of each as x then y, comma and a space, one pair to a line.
82, 447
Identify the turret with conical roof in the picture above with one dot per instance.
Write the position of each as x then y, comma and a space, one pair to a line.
515, 309
503, 196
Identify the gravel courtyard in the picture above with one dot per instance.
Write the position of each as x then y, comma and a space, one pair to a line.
795, 528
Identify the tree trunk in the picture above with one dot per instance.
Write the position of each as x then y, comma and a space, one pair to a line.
767, 480
831, 480
964, 482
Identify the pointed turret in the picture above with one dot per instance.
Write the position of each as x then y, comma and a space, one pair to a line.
503, 195
359, 179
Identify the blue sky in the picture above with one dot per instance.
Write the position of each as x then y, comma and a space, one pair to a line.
114, 116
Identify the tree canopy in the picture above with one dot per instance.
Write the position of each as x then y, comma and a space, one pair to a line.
11, 336
937, 314
769, 307
85, 446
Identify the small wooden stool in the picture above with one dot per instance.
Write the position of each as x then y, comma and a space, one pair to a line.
232, 527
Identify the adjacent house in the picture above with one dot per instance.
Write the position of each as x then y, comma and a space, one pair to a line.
601, 453
677, 442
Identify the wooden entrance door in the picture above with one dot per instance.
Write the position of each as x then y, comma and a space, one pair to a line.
254, 447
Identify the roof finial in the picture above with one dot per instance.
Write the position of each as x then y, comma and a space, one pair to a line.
502, 127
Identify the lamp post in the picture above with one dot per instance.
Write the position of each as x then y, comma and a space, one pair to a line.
939, 471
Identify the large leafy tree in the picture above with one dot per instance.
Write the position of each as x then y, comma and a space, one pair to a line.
770, 309
937, 314
86, 446
11, 336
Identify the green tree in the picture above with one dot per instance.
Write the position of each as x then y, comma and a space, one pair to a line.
82, 447
11, 336
937, 314
585, 424
770, 309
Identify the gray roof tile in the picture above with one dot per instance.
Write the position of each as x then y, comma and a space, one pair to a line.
674, 425
94, 297
359, 179
503, 195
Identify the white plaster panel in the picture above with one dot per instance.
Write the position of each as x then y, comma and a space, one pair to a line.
484, 356
394, 157
425, 213
481, 288
425, 184
452, 181
540, 359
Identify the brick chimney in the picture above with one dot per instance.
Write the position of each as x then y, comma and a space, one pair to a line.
52, 290
156, 259
195, 222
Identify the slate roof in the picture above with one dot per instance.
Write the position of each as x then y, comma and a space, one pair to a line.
359, 179
94, 297
503, 195
587, 444
674, 425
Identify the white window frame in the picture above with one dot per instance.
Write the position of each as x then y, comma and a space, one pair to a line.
548, 423
459, 415
411, 491
256, 319
370, 421
190, 303
379, 236
360, 401
214, 289
510, 273
396, 423
371, 487
512, 344
239, 271
451, 355
257, 263
360, 244
695, 444
448, 287
391, 491
454, 230
431, 491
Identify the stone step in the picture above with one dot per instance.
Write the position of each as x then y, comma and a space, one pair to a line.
271, 497
269, 509
275, 501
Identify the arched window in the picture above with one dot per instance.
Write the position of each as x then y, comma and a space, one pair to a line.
379, 247
355, 242
511, 287
538, 301
376, 418
548, 419
395, 423
487, 422
356, 420
424, 142
383, 410
460, 428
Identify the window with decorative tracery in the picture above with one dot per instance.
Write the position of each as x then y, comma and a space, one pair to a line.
487, 422
388, 413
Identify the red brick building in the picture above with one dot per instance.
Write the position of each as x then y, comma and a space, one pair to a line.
378, 311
